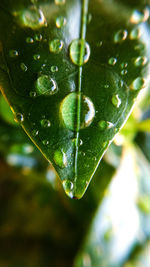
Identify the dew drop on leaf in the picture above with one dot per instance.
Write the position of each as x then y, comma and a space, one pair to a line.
124, 72
32, 18
45, 142
19, 118
54, 68
60, 159
140, 61
13, 53
112, 61
36, 57
45, 123
45, 85
138, 83
69, 113
56, 45
38, 37
29, 40
32, 94
135, 34
60, 21
116, 101
103, 125
35, 132
121, 35
139, 16
68, 187
79, 52
23, 67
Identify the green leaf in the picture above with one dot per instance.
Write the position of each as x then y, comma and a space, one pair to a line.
71, 71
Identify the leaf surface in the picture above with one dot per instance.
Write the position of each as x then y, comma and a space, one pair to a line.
71, 71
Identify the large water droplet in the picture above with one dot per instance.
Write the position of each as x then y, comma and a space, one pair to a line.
60, 21
45, 123
13, 53
71, 114
121, 35
138, 83
45, 85
79, 52
68, 187
60, 159
60, 2
139, 16
140, 61
116, 101
32, 18
56, 45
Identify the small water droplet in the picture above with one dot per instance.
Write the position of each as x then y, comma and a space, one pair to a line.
32, 17
124, 65
69, 111
29, 40
124, 72
60, 2
54, 68
45, 123
138, 83
121, 35
116, 101
68, 187
19, 118
112, 61
60, 21
81, 142
99, 44
32, 94
13, 53
45, 142
103, 125
79, 52
45, 85
23, 67
60, 159
38, 37
89, 18
135, 34
140, 61
35, 132
106, 86
139, 16
56, 46
36, 57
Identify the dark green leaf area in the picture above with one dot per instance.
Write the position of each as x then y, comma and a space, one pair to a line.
72, 73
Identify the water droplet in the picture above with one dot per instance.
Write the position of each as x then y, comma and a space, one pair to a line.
45, 85
79, 52
35, 132
32, 18
38, 37
68, 187
81, 142
13, 53
60, 21
29, 40
124, 72
121, 35
89, 18
140, 61
60, 159
54, 68
112, 61
135, 34
56, 46
69, 111
45, 142
106, 86
45, 123
36, 57
139, 16
60, 2
32, 94
23, 67
124, 65
138, 83
103, 125
19, 118
116, 101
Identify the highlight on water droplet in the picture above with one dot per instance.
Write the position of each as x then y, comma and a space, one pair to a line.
138, 84
54, 68
36, 57
60, 159
35, 132
38, 37
68, 187
32, 17
103, 125
79, 52
13, 53
124, 72
23, 67
120, 36
60, 22
19, 118
112, 61
139, 16
33, 94
45, 85
29, 40
116, 101
140, 61
60, 2
45, 123
45, 142
56, 45
74, 118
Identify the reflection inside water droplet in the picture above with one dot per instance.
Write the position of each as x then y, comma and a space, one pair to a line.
68, 187
60, 159
45, 85
121, 35
79, 52
32, 18
116, 101
77, 108
56, 45
138, 83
